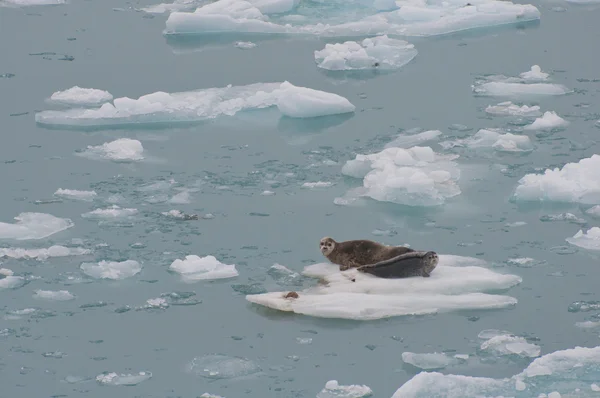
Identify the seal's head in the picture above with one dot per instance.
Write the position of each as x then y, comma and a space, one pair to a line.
327, 245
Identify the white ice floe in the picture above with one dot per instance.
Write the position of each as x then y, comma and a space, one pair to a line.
562, 371
524, 86
34, 226
550, 120
121, 150
575, 182
77, 96
457, 283
334, 390
245, 45
114, 379
87, 196
176, 5
414, 177
534, 74
589, 240
412, 19
379, 52
53, 295
219, 367
8, 280
194, 106
507, 108
114, 270
181, 198
318, 184
498, 141
428, 361
594, 211
25, 3
111, 212
194, 268
42, 254
410, 140
508, 344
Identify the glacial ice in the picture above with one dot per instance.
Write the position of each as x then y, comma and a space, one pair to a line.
42, 254
550, 120
413, 19
594, 211
54, 295
121, 150
457, 283
589, 240
33, 226
198, 105
526, 85
8, 280
507, 108
427, 361
334, 390
75, 194
216, 367
508, 344
114, 379
114, 270
77, 96
176, 5
575, 182
484, 138
379, 52
317, 184
111, 212
194, 268
414, 177
410, 140
534, 74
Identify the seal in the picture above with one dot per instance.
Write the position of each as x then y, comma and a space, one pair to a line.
416, 263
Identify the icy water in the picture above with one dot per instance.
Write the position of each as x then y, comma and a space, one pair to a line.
219, 170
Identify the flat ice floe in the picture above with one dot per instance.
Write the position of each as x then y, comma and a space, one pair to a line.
574, 183
457, 283
42, 254
410, 140
561, 372
121, 150
550, 120
115, 379
507, 108
194, 268
589, 240
414, 177
413, 19
334, 390
33, 226
498, 141
87, 196
379, 52
8, 280
78, 96
526, 85
428, 361
198, 105
111, 212
24, 3
114, 270
53, 295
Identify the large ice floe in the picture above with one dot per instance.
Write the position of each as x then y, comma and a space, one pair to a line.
199, 105
412, 18
33, 226
457, 283
572, 371
574, 183
589, 240
415, 176
528, 84
496, 140
379, 52
194, 268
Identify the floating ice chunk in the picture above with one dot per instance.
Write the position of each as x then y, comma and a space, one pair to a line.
318, 184
334, 390
589, 240
9, 281
535, 73
566, 364
302, 102
181, 198
34, 226
111, 269
275, 6
507, 108
588, 324
207, 395
121, 150
492, 139
430, 385
594, 211
114, 379
245, 45
42, 254
77, 96
414, 177
379, 52
75, 194
215, 366
6, 272
194, 268
176, 5
407, 141
507, 89
454, 285
575, 182
570, 217
158, 302
182, 216
427, 361
24, 3
110, 212
510, 345
54, 295
550, 120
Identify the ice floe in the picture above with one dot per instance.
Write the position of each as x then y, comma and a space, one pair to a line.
24, 3
534, 74
121, 150
334, 390
317, 184
594, 211
524, 86
457, 283
8, 280
77, 96
111, 269
428, 361
42, 254
410, 140
413, 19
111, 212
550, 120
87, 196
379, 52
244, 45
507, 108
194, 268
114, 379
498, 141
198, 105
508, 344
414, 177
575, 182
589, 240
33, 226
176, 5
53, 295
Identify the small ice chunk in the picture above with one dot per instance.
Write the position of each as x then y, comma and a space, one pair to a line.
378, 52
492, 139
427, 361
407, 141
510, 89
77, 96
550, 120
588, 324
110, 212
318, 184
302, 102
535, 73
333, 389
42, 254
267, 193
510, 345
594, 211
122, 150
507, 108
75, 194
114, 379
34, 226
595, 387
54, 295
9, 281
158, 302
245, 45
207, 395
181, 215
570, 217
111, 269
25, 3
589, 240
194, 268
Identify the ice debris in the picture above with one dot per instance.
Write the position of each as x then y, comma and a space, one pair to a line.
121, 150
111, 212
499, 141
87, 196
507, 108
54, 295
111, 269
194, 268
114, 379
334, 390
42, 254
550, 120
428, 361
33, 226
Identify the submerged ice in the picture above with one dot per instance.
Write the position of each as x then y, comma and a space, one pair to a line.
77, 96
33, 226
526, 85
112, 269
498, 141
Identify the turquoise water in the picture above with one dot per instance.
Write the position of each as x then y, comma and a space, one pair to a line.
225, 163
